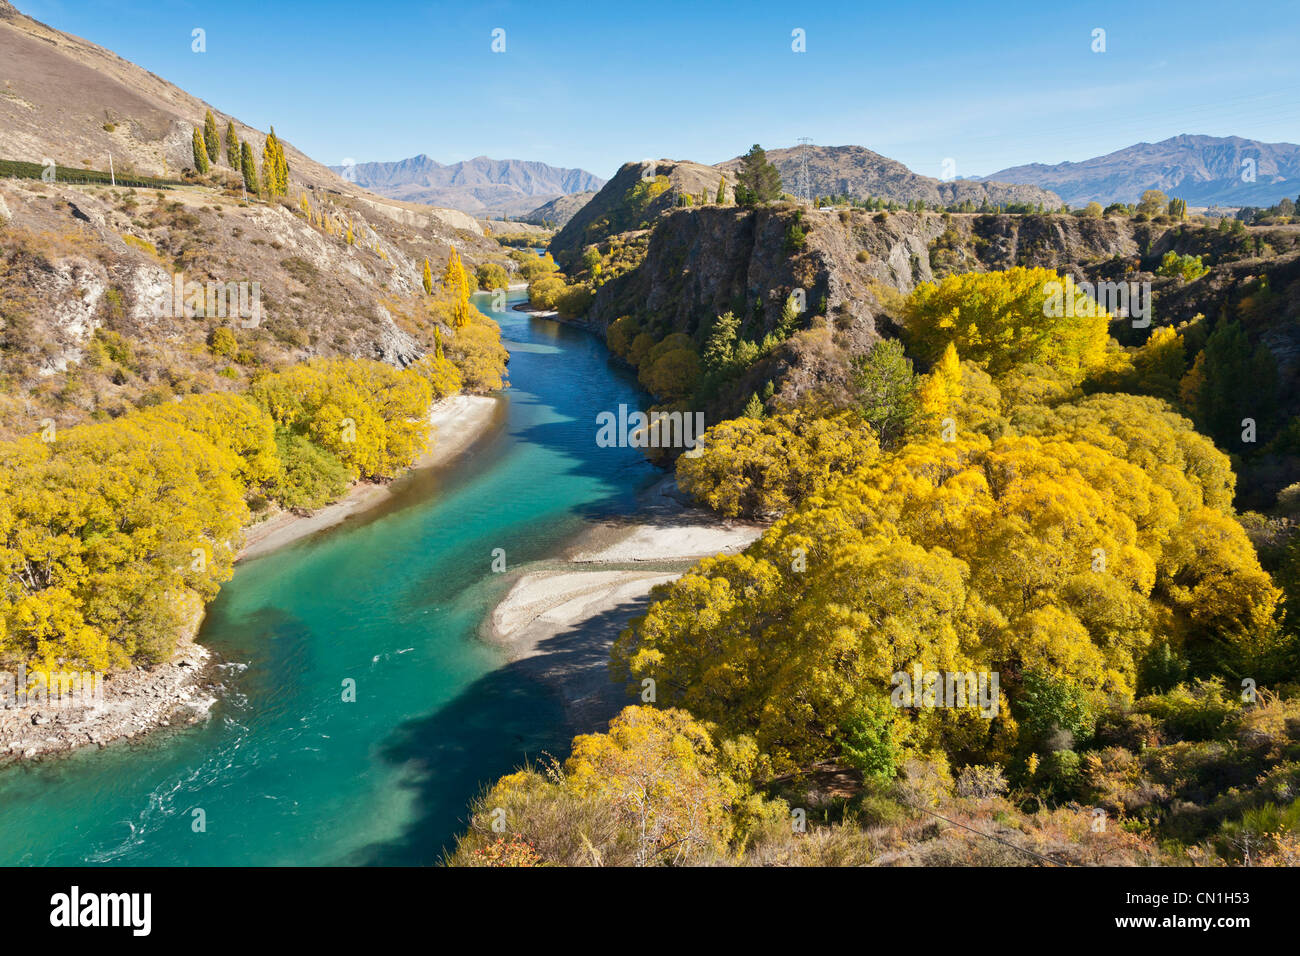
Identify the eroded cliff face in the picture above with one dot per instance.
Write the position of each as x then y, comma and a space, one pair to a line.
635, 198
703, 261
83, 268
852, 264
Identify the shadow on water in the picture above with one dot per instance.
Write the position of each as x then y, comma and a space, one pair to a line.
577, 409
495, 726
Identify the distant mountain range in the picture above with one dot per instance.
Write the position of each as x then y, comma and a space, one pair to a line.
858, 172
482, 186
1204, 170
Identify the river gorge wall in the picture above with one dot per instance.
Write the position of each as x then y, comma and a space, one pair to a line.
851, 265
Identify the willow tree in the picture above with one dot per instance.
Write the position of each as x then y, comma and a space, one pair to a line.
1004, 320
112, 537
1070, 554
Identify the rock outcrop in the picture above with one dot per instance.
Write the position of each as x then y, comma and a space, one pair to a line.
850, 264
637, 195
559, 210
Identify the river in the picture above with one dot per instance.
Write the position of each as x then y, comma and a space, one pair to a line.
285, 771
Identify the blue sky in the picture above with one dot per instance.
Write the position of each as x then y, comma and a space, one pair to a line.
594, 85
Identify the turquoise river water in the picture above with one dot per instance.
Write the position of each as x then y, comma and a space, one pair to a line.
284, 770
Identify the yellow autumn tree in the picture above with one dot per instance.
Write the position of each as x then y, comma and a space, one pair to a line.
455, 284
749, 466
940, 390
477, 351
111, 538
658, 770
1006, 319
650, 791
233, 424
1040, 554
372, 416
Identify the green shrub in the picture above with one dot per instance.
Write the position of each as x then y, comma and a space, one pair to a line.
1196, 712
312, 477
1184, 267
866, 740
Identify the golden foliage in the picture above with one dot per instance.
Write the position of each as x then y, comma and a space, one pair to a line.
1005, 319
372, 416
107, 533
1045, 553
748, 466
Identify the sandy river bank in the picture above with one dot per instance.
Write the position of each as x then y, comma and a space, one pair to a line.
559, 618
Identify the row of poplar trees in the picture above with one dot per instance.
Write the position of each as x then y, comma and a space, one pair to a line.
455, 281
209, 148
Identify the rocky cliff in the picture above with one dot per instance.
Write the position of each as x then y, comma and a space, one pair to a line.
559, 210
703, 261
849, 265
637, 195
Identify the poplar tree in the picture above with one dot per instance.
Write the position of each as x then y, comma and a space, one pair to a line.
281, 165
722, 190
428, 277
268, 163
248, 167
232, 145
211, 138
275, 167
454, 281
200, 152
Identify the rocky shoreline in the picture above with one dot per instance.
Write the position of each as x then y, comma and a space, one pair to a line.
134, 702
